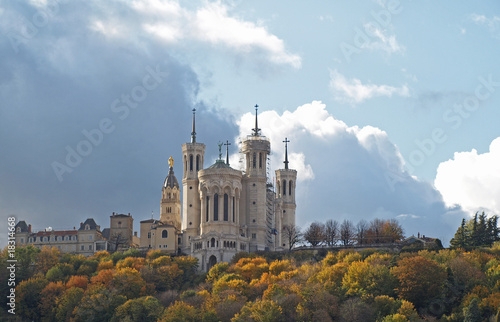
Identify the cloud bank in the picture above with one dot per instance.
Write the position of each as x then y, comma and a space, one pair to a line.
351, 172
472, 180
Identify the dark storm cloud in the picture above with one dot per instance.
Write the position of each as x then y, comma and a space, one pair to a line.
118, 108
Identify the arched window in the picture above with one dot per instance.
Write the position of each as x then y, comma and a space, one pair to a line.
254, 160
284, 188
216, 207
190, 162
212, 242
197, 163
207, 206
164, 234
226, 207
290, 187
233, 210
260, 160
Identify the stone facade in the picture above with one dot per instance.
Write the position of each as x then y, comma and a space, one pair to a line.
224, 210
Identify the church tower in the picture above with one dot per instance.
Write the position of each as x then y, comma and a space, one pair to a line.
193, 156
256, 148
170, 212
285, 209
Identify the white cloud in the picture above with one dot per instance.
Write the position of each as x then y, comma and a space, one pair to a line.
213, 24
492, 23
383, 41
472, 180
210, 24
342, 172
353, 91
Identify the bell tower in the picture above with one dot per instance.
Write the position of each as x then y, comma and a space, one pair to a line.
255, 148
286, 180
170, 212
193, 155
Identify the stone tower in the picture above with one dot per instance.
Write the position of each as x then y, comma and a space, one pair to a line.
193, 157
170, 212
285, 190
256, 148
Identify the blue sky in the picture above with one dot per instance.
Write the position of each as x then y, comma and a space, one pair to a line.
391, 108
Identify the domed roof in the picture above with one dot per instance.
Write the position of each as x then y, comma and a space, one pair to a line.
219, 164
171, 180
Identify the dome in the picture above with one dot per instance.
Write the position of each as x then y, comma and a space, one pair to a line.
171, 180
219, 164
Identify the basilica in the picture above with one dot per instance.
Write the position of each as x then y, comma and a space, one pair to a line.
223, 210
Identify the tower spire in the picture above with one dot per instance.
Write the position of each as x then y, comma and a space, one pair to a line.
193, 133
256, 130
286, 153
227, 144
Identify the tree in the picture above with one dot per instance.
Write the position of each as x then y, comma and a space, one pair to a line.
366, 279
98, 304
28, 296
145, 309
67, 302
315, 234
472, 313
420, 280
392, 231
375, 232
117, 241
292, 235
361, 230
347, 232
179, 312
331, 232
460, 239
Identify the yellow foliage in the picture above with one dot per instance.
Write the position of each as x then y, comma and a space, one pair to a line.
277, 267
161, 261
105, 265
131, 262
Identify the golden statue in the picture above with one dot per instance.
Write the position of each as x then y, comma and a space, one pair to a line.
171, 162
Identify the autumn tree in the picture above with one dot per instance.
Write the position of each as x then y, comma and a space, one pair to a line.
145, 309
363, 278
347, 232
292, 235
98, 304
315, 234
420, 280
28, 296
67, 302
48, 299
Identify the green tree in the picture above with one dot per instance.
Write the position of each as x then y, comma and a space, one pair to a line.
67, 302
144, 309
28, 296
472, 313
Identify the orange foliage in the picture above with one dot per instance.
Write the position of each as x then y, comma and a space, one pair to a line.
80, 281
104, 277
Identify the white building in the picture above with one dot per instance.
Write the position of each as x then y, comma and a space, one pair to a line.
224, 210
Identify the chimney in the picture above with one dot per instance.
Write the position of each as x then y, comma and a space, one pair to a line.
29, 228
418, 235
113, 213
129, 214
135, 233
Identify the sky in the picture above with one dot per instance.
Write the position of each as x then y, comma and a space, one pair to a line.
391, 108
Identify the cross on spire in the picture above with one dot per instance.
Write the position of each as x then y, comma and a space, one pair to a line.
256, 130
227, 144
193, 132
286, 153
